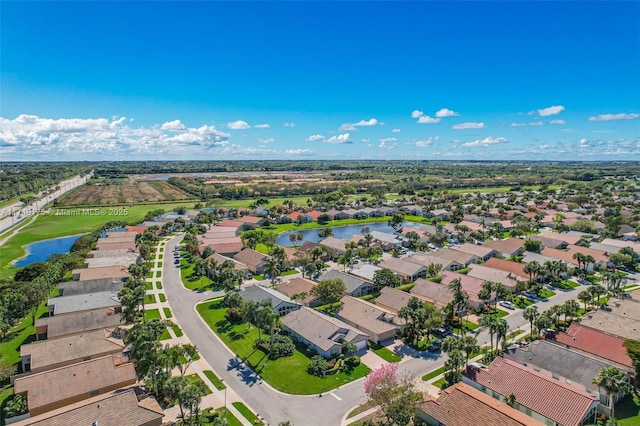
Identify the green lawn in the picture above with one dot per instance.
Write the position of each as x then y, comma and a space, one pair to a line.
148, 285
628, 412
246, 413
214, 379
546, 294
194, 378
284, 374
189, 280
159, 285
158, 274
162, 297
176, 329
149, 299
167, 312
289, 272
384, 353
50, 225
440, 383
151, 314
432, 374
160, 256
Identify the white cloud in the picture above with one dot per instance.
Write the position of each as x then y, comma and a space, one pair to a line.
395, 130
609, 117
262, 126
289, 124
537, 123
425, 119
552, 110
518, 124
298, 151
485, 142
266, 140
388, 143
416, 113
361, 123
340, 139
364, 140
558, 122
174, 126
444, 112
315, 138
238, 125
468, 125
426, 142
32, 136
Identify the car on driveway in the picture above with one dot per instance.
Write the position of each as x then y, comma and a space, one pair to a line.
506, 304
435, 345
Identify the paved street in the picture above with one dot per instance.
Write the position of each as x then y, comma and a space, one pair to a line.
15, 213
275, 406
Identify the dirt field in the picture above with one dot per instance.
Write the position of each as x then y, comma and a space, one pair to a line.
123, 193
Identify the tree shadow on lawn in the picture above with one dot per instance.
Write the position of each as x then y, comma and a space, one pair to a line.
402, 349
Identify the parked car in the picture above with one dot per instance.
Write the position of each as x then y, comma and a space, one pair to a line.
435, 345
506, 304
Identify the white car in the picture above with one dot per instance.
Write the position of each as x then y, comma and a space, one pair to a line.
506, 304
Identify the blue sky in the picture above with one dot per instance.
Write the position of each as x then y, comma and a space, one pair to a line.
320, 80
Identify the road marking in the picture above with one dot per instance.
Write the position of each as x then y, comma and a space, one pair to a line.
335, 396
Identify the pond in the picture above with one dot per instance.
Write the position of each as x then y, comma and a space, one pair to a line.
41, 250
340, 232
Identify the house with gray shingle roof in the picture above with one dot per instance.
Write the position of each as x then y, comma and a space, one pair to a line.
84, 302
322, 333
279, 302
356, 287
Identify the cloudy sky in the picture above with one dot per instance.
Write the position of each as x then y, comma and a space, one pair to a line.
320, 80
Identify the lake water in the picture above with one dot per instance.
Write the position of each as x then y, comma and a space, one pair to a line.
41, 250
340, 232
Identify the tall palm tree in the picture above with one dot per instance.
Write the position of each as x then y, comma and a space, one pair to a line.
491, 322
532, 269
468, 345
614, 382
585, 296
502, 328
597, 291
272, 267
530, 314
571, 308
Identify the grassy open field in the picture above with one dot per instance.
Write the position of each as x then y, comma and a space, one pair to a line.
54, 225
123, 193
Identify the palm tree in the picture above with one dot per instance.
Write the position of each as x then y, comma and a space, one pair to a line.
502, 328
542, 322
468, 345
530, 314
571, 308
433, 269
584, 296
614, 382
272, 267
597, 291
491, 322
532, 269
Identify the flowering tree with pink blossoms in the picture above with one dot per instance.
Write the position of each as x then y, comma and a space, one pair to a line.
394, 395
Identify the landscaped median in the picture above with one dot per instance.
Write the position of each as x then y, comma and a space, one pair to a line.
286, 374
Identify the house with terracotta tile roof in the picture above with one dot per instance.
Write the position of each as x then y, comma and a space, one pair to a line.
104, 410
541, 397
490, 274
461, 405
73, 383
595, 342
559, 362
335, 245
252, 222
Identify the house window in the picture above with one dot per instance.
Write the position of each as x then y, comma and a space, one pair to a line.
94, 392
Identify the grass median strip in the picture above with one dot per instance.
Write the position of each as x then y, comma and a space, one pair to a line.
246, 413
214, 379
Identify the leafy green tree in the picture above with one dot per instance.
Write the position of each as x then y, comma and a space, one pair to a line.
318, 366
396, 221
330, 290
325, 232
385, 278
